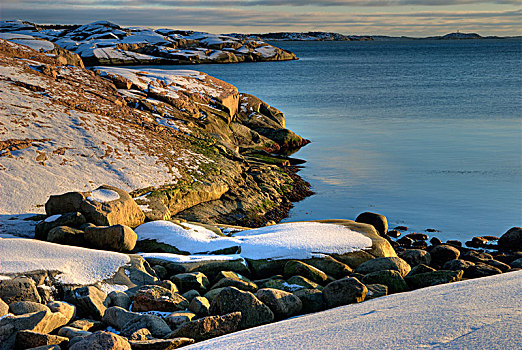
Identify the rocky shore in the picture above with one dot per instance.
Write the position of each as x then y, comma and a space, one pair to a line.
99, 274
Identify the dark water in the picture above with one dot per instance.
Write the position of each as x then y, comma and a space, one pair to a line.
427, 133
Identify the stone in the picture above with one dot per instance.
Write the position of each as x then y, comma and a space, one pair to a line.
26, 307
344, 291
211, 294
303, 282
476, 256
420, 269
20, 288
71, 332
516, 264
160, 271
388, 263
405, 241
442, 253
159, 299
481, 270
311, 299
191, 280
390, 278
355, 259
117, 298
435, 241
498, 264
66, 309
433, 278
4, 308
74, 219
41, 322
118, 238
66, 235
394, 233
207, 267
168, 285
87, 325
229, 274
511, 240
176, 319
200, 306
141, 334
477, 242
132, 321
160, 344
330, 266
191, 294
253, 311
419, 245
46, 293
102, 340
90, 302
376, 220
209, 327
417, 236
457, 264
283, 304
415, 257
454, 243
298, 268
376, 291
29, 339
238, 283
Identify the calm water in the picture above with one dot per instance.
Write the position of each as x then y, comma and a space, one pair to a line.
427, 133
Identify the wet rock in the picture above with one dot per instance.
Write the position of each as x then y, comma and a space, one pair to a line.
74, 219
435, 241
253, 311
26, 307
442, 253
415, 257
158, 298
394, 233
121, 299
388, 263
283, 304
481, 270
311, 299
390, 278
511, 240
376, 220
405, 241
209, 327
118, 238
191, 280
102, 341
19, 289
433, 278
200, 306
344, 291
90, 302
30, 339
376, 291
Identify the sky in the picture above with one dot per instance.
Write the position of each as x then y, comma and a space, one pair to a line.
358, 17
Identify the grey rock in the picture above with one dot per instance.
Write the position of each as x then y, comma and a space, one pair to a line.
234, 282
176, 319
516, 264
481, 270
415, 257
129, 322
19, 288
119, 238
428, 279
330, 266
74, 219
283, 304
157, 298
26, 307
311, 299
89, 301
209, 327
200, 306
511, 240
298, 268
121, 299
442, 253
476, 256
71, 332
344, 291
29, 339
191, 294
191, 280
303, 282
387, 263
421, 269
376, 291
66, 235
376, 220
457, 264
390, 278
102, 341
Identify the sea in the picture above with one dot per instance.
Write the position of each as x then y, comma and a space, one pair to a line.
425, 132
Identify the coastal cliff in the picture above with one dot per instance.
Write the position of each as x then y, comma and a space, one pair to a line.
188, 145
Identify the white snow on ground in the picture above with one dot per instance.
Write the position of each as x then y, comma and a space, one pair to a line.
103, 195
12, 226
483, 313
299, 240
29, 41
53, 218
191, 258
77, 265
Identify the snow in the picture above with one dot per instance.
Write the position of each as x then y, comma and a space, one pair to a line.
53, 218
483, 313
103, 195
76, 265
266, 51
29, 41
176, 258
299, 240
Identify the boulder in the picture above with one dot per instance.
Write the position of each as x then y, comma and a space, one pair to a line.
442, 253
457, 264
160, 344
19, 288
283, 304
74, 219
415, 257
191, 294
71, 332
87, 325
516, 264
301, 281
207, 267
376, 291
417, 236
511, 240
283, 285
191, 280
118, 238
102, 340
355, 259
498, 264
211, 294
344, 291
121, 299
141, 334
136, 273
29, 339
200, 306
235, 282
159, 299
476, 256
421, 269
89, 301
176, 319
168, 285
66, 235
481, 270
298, 268
26, 307
209, 327
433, 278
311, 299
253, 311
376, 220
380, 264
4, 308
330, 266
132, 321
390, 278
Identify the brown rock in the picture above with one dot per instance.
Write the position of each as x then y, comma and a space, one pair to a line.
209, 327
29, 339
102, 341
119, 238
344, 291
159, 299
19, 289
160, 344
283, 304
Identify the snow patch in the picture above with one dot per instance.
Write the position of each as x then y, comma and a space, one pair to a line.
103, 195
53, 218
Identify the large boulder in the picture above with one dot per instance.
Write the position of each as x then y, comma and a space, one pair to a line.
253, 311
511, 240
102, 340
312, 300
200, 306
442, 253
74, 219
390, 278
4, 308
209, 327
330, 266
19, 289
344, 291
26, 307
119, 238
433, 278
30, 339
415, 257
105, 206
242, 284
89, 301
481, 270
191, 280
283, 304
66, 235
376, 220
380, 264
129, 322
299, 268
159, 299
179, 318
